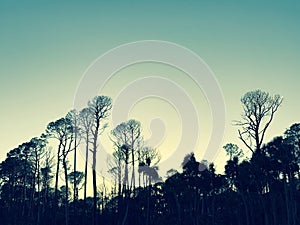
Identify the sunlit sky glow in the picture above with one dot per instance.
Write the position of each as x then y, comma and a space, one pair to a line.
45, 47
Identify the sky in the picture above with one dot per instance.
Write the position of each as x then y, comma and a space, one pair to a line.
47, 46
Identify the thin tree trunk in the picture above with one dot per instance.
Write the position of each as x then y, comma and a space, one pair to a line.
286, 200
75, 158
119, 178
67, 192
94, 190
139, 161
24, 184
86, 167
133, 168
95, 134
31, 201
57, 173
39, 195
55, 208
148, 205
125, 183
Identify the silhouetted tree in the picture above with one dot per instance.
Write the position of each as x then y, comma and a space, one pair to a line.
86, 121
128, 134
78, 178
38, 151
46, 179
115, 167
99, 107
232, 150
148, 154
17, 174
262, 189
259, 108
73, 115
63, 131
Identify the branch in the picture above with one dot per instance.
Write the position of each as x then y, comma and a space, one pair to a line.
244, 141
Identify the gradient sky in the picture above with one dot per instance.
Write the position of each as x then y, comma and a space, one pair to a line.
45, 47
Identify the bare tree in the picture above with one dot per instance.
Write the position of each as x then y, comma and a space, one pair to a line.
100, 107
259, 108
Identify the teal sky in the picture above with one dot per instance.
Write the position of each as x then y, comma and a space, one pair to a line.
45, 47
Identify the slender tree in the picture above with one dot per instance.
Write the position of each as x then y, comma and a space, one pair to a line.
56, 130
120, 139
86, 121
46, 179
38, 150
73, 115
128, 135
134, 129
115, 167
99, 107
66, 149
62, 130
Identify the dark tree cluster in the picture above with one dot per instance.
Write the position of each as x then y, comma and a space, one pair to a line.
39, 185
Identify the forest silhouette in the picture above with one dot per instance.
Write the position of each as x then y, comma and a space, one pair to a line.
262, 189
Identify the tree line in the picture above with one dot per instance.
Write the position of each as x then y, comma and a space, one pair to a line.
262, 188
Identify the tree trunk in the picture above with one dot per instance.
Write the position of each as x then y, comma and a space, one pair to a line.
86, 166
94, 189
24, 184
133, 168
39, 194
67, 192
286, 199
55, 207
119, 178
95, 136
75, 158
57, 174
31, 200
125, 183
